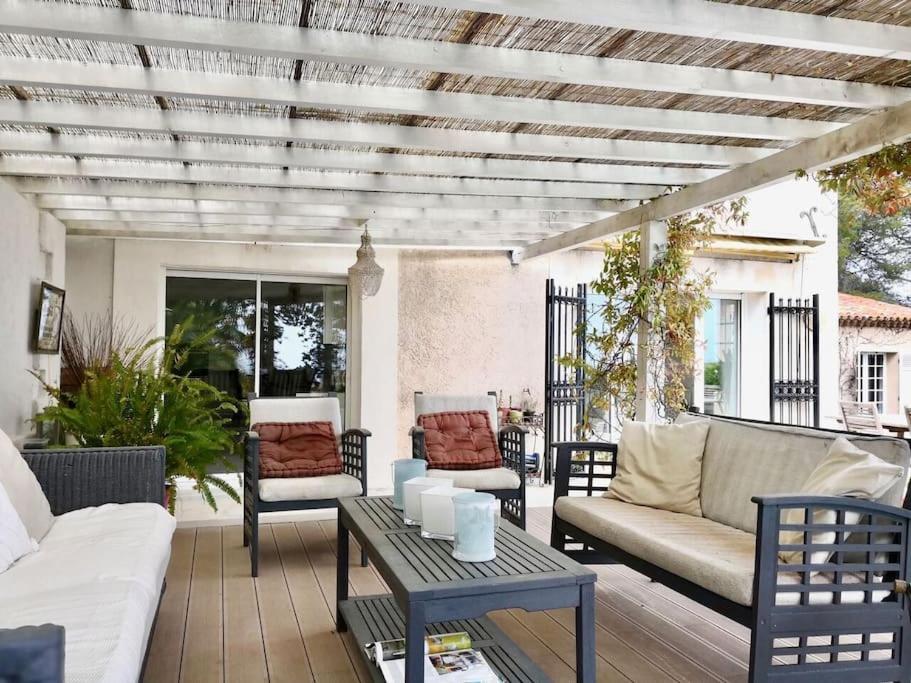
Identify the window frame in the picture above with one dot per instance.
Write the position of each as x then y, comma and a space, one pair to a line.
863, 394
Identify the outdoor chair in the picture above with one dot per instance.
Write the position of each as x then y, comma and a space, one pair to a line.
862, 418
279, 494
506, 482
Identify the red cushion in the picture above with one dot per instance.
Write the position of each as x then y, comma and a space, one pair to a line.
297, 449
460, 440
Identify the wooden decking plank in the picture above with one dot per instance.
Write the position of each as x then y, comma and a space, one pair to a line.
284, 645
328, 658
203, 651
323, 561
245, 657
562, 642
555, 668
167, 644
363, 580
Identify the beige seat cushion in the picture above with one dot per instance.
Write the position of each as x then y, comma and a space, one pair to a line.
845, 471
309, 488
487, 480
660, 466
718, 558
709, 554
744, 459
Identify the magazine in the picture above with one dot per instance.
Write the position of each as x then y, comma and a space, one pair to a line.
448, 658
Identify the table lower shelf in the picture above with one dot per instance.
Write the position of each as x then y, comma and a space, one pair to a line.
377, 617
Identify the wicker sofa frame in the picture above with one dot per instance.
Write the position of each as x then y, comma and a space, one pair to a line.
803, 642
71, 480
354, 462
511, 441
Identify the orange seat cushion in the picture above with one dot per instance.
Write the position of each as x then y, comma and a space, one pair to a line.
297, 449
461, 440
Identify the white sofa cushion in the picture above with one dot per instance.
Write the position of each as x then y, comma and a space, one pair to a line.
845, 471
98, 573
488, 479
309, 488
660, 466
14, 539
743, 460
23, 490
719, 558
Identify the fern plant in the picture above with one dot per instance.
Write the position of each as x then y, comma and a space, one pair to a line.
142, 399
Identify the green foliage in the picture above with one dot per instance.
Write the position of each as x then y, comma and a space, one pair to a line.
880, 183
874, 252
139, 402
668, 297
713, 374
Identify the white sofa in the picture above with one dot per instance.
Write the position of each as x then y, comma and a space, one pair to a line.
99, 569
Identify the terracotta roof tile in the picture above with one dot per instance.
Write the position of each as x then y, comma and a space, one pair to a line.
860, 311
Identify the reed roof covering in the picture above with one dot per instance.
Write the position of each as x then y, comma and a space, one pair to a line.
453, 148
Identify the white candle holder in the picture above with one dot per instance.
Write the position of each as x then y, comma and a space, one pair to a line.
412, 493
437, 512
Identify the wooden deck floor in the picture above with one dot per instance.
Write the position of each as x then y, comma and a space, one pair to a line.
218, 624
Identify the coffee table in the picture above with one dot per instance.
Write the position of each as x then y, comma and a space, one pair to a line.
434, 593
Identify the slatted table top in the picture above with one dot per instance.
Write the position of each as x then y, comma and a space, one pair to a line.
425, 568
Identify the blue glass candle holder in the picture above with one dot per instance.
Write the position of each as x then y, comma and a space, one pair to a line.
476, 520
402, 471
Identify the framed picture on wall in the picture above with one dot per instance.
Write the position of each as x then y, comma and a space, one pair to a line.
49, 319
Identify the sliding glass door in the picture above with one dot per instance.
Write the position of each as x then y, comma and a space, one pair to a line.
270, 336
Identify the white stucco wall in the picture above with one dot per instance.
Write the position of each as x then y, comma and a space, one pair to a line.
854, 340
31, 250
90, 275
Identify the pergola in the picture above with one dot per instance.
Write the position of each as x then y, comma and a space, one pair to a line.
529, 126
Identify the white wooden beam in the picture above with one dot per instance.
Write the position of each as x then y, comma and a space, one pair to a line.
715, 20
286, 42
277, 177
280, 195
72, 202
863, 137
402, 101
301, 236
381, 135
540, 228
273, 155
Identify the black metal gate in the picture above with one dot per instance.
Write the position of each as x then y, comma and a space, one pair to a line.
794, 361
564, 387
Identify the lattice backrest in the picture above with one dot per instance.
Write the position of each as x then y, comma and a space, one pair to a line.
848, 554
861, 417
592, 466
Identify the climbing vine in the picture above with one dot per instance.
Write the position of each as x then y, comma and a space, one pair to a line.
668, 296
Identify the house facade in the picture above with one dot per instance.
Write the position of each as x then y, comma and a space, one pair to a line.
444, 320
875, 353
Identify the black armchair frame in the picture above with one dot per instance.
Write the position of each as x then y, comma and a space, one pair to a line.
839, 641
73, 479
511, 440
354, 462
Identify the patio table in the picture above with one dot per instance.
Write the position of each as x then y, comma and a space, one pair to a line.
429, 587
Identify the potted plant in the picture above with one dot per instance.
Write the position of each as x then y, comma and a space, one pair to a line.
142, 399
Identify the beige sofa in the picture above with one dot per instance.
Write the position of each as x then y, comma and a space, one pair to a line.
728, 558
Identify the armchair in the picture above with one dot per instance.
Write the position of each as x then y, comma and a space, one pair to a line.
299, 493
507, 483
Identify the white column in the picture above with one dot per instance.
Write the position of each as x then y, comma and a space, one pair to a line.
653, 239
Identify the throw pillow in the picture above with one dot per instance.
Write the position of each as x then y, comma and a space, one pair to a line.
460, 440
23, 490
14, 539
660, 466
297, 449
845, 471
